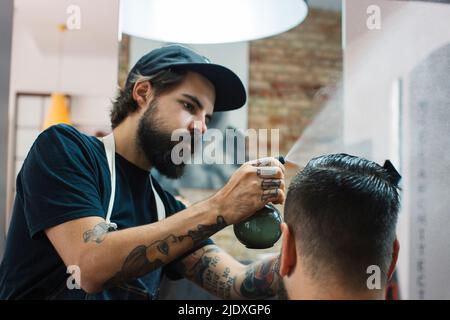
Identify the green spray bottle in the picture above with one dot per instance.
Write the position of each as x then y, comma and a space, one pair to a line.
262, 230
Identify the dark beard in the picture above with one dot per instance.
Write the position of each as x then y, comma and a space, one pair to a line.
156, 144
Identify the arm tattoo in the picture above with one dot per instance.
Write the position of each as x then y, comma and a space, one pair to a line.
219, 284
276, 266
204, 231
260, 280
97, 234
203, 262
138, 263
163, 247
135, 265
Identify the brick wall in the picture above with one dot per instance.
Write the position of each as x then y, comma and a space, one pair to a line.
289, 72
124, 59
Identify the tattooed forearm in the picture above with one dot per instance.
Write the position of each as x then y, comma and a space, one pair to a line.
204, 231
163, 247
138, 264
261, 280
202, 267
96, 234
201, 262
139, 261
219, 284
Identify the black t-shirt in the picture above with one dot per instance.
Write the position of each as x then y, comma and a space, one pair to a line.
64, 177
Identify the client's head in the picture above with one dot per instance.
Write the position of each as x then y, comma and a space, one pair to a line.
339, 238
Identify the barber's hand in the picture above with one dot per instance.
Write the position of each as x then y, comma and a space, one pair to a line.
253, 185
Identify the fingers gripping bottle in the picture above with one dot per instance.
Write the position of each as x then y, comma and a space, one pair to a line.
262, 230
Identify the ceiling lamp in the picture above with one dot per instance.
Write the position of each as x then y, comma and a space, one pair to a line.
209, 21
58, 111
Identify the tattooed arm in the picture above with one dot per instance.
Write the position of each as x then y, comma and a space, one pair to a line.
217, 272
107, 259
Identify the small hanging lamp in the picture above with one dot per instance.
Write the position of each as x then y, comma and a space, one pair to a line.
59, 110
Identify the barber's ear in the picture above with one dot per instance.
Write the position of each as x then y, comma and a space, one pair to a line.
288, 252
142, 91
395, 251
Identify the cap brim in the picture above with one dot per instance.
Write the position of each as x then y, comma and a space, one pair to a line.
230, 92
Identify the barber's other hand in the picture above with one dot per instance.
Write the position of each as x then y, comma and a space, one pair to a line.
253, 185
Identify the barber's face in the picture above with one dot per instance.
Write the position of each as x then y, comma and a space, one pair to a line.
187, 108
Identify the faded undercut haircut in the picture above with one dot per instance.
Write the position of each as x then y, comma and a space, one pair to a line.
161, 82
343, 212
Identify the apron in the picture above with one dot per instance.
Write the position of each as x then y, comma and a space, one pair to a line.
147, 286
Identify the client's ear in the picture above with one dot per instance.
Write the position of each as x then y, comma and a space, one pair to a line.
395, 252
288, 251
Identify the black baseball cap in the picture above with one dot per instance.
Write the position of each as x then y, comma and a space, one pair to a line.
230, 92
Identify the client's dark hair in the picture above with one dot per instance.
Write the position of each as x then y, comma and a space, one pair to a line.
343, 211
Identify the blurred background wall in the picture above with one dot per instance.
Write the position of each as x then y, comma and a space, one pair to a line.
6, 23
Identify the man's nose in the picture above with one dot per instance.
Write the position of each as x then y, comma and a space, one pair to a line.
199, 124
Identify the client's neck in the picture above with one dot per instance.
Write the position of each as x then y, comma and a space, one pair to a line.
303, 287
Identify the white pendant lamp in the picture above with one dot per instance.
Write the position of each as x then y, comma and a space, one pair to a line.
209, 21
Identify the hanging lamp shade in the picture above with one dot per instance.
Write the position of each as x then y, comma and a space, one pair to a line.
58, 112
209, 21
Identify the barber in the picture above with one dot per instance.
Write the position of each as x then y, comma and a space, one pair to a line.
90, 206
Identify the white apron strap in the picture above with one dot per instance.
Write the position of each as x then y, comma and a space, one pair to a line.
159, 204
110, 149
